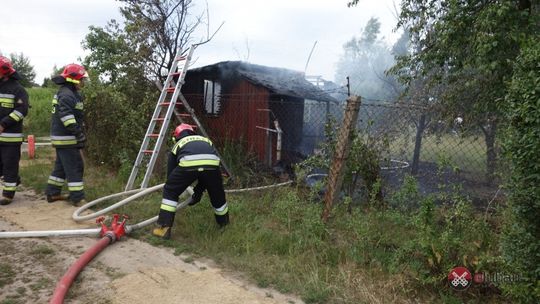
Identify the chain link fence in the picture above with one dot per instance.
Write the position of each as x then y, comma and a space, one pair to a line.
417, 141
441, 153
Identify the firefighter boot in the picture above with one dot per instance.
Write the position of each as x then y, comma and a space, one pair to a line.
56, 197
165, 222
163, 232
222, 220
5, 200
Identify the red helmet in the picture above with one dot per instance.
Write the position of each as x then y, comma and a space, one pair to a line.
182, 127
74, 73
6, 68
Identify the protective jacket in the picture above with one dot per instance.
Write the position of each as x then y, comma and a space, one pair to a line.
13, 108
67, 118
193, 153
192, 158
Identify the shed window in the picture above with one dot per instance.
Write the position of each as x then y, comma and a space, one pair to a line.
212, 96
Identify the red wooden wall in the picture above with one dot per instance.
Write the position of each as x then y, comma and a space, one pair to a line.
239, 117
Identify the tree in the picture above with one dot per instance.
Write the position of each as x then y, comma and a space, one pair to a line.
22, 64
521, 243
469, 47
365, 61
152, 32
475, 48
126, 61
47, 82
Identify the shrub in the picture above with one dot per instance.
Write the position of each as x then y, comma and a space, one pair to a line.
116, 120
521, 245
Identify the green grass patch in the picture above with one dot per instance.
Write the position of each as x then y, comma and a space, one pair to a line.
466, 152
278, 240
42, 250
38, 120
12, 301
40, 284
7, 273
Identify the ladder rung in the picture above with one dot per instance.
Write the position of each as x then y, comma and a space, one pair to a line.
153, 135
176, 73
159, 119
184, 115
148, 151
181, 58
171, 89
164, 103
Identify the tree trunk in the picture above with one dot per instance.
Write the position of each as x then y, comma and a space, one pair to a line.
418, 143
491, 153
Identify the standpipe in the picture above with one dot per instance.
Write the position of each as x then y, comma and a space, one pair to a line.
108, 236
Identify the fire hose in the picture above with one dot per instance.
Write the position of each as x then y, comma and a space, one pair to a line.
117, 230
108, 236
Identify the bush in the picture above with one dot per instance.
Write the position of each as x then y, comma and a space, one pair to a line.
116, 120
362, 169
521, 245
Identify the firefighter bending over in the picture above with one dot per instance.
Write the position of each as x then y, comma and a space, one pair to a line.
13, 108
192, 158
67, 136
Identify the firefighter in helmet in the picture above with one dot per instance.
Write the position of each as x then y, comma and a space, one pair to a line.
13, 108
67, 136
192, 158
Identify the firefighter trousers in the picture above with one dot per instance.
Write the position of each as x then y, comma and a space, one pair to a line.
9, 164
68, 166
179, 180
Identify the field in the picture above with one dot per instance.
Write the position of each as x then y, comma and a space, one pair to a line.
37, 121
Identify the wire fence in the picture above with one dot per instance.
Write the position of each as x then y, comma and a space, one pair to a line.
416, 140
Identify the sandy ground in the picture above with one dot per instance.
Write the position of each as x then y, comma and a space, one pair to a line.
128, 271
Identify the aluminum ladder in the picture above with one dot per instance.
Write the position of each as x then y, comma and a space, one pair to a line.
157, 129
170, 93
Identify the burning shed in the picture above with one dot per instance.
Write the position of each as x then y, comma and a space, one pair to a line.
261, 107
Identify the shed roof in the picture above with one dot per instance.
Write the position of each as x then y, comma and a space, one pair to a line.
278, 80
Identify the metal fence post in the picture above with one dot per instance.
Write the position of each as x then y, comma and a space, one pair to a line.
343, 145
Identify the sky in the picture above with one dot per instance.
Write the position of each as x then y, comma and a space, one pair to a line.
278, 33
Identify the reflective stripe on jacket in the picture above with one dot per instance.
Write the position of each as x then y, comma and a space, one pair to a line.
67, 117
195, 151
13, 109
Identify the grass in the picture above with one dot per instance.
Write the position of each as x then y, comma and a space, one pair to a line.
42, 283
37, 122
42, 250
6, 274
467, 153
277, 240
11, 301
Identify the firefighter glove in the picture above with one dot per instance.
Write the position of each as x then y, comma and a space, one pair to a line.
81, 138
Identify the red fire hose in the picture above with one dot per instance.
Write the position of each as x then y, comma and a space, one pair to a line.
63, 286
109, 236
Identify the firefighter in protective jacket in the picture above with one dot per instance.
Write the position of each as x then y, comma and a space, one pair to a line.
13, 108
67, 136
192, 158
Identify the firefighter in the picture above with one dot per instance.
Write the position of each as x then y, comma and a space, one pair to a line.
13, 108
192, 158
67, 136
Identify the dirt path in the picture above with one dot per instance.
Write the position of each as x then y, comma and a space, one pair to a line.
129, 271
